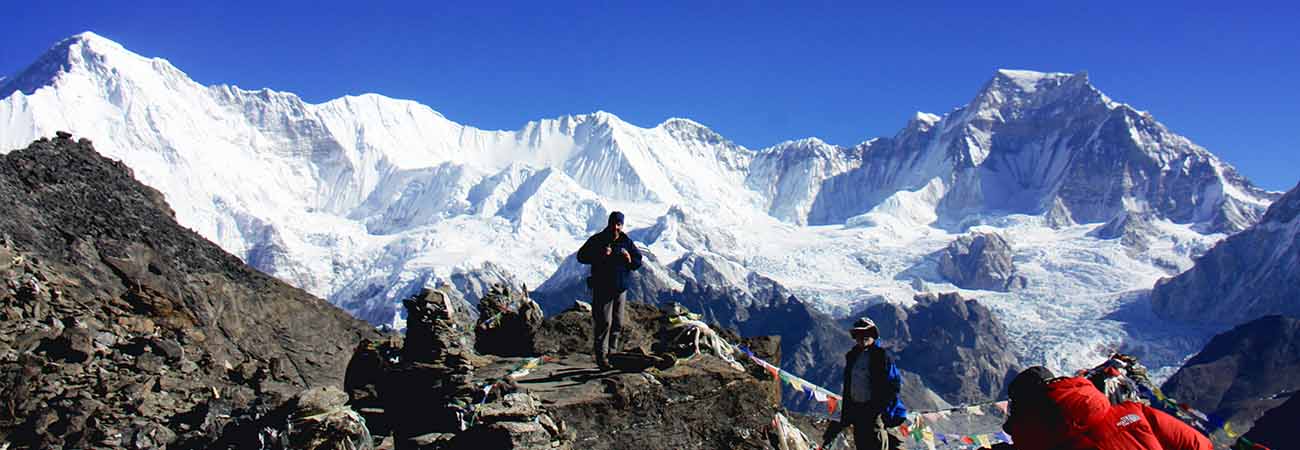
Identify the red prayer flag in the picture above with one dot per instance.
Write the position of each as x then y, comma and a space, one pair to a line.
906, 431
772, 370
967, 440
831, 402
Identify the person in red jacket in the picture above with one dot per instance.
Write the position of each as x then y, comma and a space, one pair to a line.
1070, 413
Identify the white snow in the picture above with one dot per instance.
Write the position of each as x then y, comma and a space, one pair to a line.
369, 197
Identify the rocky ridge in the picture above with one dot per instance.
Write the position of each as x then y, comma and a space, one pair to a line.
1241, 372
121, 328
1248, 275
954, 345
545, 392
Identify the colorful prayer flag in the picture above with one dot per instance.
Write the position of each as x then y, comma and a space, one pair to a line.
830, 405
905, 429
1002, 405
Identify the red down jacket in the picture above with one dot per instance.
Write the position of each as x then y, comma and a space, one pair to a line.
1085, 419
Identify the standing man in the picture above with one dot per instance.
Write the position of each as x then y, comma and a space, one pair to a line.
612, 256
871, 386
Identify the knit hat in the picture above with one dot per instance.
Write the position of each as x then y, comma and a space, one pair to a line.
615, 218
1030, 383
865, 325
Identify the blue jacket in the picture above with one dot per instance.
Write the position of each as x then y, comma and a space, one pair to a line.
886, 383
611, 272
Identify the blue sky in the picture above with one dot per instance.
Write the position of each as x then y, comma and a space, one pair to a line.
1222, 73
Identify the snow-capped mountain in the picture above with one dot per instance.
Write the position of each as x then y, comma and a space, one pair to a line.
363, 199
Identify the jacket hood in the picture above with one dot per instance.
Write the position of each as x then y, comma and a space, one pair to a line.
1080, 403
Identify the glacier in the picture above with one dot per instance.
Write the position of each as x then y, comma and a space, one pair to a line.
364, 199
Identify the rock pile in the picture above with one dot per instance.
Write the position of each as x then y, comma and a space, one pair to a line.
506, 323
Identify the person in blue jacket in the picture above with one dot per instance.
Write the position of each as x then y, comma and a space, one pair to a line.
871, 387
612, 256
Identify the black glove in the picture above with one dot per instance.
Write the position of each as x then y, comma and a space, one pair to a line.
832, 431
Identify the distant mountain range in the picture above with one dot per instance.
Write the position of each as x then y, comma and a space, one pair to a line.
365, 199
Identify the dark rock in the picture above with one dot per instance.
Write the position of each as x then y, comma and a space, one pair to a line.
321, 420
169, 349
430, 327
126, 320
75, 345
516, 406
980, 261
513, 435
1276, 429
1133, 229
955, 345
421, 393
1237, 375
506, 323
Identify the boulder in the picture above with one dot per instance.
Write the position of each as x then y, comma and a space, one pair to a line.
321, 420
980, 261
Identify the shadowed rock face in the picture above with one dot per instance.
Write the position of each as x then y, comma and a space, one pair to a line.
1276, 428
1249, 275
955, 345
120, 328
1239, 372
980, 261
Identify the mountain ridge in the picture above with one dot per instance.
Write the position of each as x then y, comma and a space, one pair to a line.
365, 199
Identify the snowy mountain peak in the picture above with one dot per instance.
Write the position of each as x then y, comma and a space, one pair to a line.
1028, 80
364, 199
922, 121
87, 53
812, 143
1012, 93
690, 130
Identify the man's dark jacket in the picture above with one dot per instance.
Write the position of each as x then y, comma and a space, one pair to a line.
611, 272
885, 381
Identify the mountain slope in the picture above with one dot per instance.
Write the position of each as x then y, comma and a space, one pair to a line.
1240, 373
1029, 139
155, 331
1249, 275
